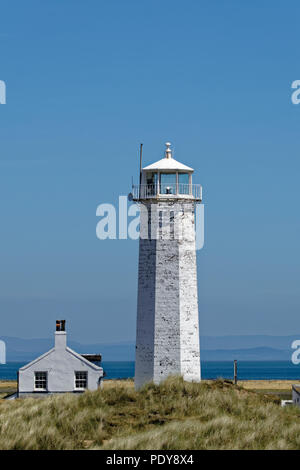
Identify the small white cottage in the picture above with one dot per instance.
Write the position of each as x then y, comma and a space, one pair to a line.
59, 370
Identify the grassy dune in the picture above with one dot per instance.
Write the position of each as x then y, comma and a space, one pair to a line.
281, 385
6, 387
174, 415
281, 388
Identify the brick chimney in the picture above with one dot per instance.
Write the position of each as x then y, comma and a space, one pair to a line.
60, 335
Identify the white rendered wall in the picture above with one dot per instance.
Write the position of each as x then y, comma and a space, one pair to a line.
146, 307
189, 323
296, 397
167, 317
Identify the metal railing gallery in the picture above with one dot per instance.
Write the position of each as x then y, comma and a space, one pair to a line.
145, 191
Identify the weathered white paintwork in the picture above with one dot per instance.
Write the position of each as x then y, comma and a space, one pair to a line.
167, 338
60, 363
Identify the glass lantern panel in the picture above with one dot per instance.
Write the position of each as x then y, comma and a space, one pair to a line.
151, 186
183, 183
168, 183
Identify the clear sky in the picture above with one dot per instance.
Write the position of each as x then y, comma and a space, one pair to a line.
86, 83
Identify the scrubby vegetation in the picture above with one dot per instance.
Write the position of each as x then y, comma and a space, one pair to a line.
174, 415
7, 387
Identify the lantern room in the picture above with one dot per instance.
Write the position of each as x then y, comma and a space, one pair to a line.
167, 178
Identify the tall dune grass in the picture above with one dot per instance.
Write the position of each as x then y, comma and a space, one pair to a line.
174, 415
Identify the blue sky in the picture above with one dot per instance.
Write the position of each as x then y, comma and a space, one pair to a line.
86, 83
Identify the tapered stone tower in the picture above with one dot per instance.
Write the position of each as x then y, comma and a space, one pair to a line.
167, 339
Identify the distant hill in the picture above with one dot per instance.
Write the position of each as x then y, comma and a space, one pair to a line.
20, 350
226, 348
248, 341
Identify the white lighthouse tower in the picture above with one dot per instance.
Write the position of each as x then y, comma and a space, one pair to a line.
167, 339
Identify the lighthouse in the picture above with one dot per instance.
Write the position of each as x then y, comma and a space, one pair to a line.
167, 335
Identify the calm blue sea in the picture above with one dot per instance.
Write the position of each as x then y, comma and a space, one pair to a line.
282, 370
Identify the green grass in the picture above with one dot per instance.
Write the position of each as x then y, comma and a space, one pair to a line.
174, 415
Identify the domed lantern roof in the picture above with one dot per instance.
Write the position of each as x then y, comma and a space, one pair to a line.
168, 163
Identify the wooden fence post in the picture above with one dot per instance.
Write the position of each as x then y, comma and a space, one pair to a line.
235, 372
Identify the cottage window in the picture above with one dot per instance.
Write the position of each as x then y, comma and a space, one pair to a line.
81, 380
40, 380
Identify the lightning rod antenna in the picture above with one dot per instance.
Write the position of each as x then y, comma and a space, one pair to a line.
141, 155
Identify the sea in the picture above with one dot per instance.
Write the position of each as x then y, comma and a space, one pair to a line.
247, 370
